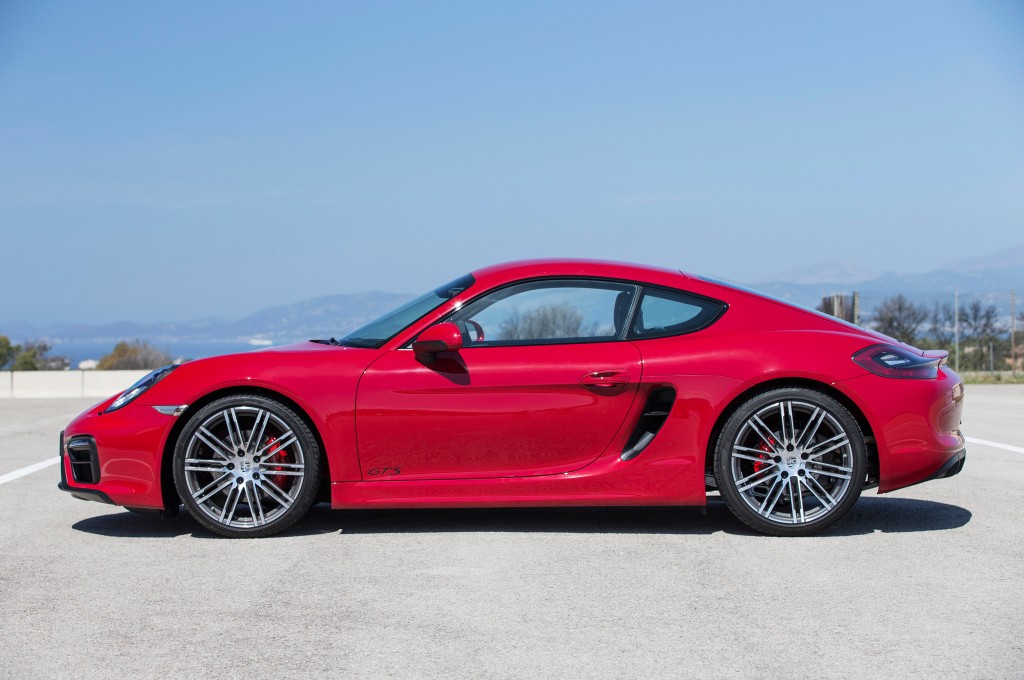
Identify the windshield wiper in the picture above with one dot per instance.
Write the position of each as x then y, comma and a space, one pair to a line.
362, 343
365, 343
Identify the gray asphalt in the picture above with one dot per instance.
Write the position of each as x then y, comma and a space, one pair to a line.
922, 582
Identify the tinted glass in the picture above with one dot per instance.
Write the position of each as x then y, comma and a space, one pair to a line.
541, 312
664, 312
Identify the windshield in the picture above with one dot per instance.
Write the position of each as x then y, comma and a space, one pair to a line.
376, 333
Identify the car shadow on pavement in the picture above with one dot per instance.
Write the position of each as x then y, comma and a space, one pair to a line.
894, 515
870, 515
322, 520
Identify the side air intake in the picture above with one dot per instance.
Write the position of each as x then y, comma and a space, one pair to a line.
656, 410
85, 463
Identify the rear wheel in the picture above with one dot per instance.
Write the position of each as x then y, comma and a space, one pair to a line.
790, 462
246, 466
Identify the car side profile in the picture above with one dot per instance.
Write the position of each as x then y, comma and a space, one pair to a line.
537, 383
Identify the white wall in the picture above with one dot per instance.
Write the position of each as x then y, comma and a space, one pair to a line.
37, 384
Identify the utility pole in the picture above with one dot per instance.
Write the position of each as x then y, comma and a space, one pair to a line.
1013, 333
856, 308
956, 327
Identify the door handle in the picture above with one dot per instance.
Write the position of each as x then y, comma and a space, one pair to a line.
605, 379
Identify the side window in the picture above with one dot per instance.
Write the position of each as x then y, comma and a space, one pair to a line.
547, 312
663, 312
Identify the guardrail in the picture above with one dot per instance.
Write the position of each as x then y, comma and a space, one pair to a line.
40, 384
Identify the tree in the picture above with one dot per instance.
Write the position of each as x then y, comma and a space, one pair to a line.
7, 351
1014, 351
900, 318
32, 356
941, 325
27, 360
981, 335
547, 321
134, 355
980, 321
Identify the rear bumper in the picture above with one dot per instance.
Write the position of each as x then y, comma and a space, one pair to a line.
951, 467
916, 424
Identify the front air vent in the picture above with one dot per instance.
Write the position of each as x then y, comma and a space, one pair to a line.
656, 409
85, 463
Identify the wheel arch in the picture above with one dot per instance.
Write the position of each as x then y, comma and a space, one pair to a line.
806, 383
170, 494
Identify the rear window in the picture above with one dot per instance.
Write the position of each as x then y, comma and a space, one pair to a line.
665, 312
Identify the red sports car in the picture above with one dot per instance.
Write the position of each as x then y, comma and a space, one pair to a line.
540, 383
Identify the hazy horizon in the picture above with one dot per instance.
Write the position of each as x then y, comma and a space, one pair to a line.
170, 162
791, 286
816, 272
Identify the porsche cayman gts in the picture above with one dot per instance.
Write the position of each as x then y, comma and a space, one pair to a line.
539, 383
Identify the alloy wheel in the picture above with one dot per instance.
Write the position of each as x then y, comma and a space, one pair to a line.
791, 462
246, 466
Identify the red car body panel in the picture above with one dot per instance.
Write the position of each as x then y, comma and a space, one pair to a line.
524, 413
917, 426
517, 425
669, 472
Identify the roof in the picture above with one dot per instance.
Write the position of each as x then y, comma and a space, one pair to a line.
523, 269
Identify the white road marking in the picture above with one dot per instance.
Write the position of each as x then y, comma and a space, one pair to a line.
996, 445
11, 476
17, 474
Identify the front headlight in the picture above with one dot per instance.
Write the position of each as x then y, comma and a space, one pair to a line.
133, 392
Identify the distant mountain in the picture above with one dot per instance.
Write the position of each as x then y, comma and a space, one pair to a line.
826, 272
989, 278
322, 317
1008, 258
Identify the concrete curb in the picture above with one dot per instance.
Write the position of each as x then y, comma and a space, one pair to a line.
42, 384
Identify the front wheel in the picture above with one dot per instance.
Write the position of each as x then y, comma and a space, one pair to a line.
246, 466
790, 462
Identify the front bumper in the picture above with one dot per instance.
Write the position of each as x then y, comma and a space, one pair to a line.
125, 461
82, 494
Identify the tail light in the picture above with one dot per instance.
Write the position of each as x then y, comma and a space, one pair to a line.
890, 361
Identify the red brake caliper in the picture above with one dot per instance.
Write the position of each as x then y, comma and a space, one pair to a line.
767, 449
275, 450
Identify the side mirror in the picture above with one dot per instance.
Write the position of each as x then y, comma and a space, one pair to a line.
442, 337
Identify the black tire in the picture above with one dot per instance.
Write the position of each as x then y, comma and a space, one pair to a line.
252, 456
782, 475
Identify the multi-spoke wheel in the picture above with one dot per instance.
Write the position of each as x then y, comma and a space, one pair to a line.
790, 462
246, 466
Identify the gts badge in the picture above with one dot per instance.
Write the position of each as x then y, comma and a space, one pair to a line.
376, 472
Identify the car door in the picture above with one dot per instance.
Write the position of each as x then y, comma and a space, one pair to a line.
542, 384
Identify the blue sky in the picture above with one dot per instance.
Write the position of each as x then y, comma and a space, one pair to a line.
171, 161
